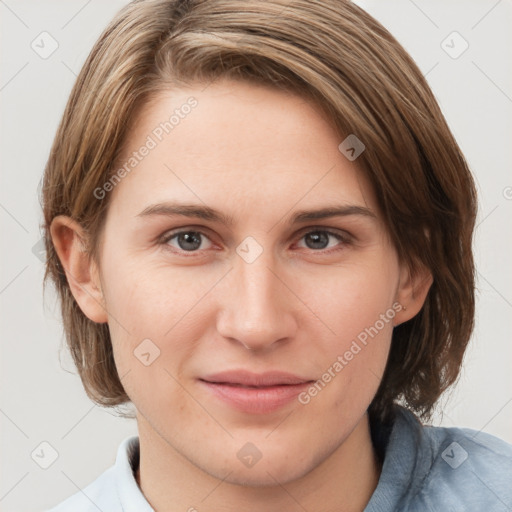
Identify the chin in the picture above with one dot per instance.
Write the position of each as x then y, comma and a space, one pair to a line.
263, 476
270, 470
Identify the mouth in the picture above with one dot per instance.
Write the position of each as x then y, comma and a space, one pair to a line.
255, 393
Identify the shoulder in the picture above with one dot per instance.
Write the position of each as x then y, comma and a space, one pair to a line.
470, 470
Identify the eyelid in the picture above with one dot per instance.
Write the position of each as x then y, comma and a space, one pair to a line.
334, 231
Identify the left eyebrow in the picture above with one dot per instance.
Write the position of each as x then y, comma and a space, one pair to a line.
333, 211
207, 213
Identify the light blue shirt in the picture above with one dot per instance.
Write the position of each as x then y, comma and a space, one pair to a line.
426, 469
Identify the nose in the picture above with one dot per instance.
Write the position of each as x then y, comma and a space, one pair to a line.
258, 309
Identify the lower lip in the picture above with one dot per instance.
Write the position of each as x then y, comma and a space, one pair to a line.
261, 400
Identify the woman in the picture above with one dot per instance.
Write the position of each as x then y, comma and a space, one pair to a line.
260, 227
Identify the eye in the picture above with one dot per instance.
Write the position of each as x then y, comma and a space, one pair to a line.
186, 240
318, 239
191, 241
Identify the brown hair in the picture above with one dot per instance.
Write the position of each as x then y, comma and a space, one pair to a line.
334, 53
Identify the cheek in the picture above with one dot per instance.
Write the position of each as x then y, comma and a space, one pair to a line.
149, 298
353, 298
155, 319
354, 324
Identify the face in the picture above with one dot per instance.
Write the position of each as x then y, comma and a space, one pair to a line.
248, 286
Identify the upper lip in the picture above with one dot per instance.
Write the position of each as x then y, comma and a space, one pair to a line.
245, 378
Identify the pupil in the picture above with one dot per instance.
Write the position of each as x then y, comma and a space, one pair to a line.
317, 237
190, 237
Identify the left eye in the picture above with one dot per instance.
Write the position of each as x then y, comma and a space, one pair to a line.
321, 237
190, 241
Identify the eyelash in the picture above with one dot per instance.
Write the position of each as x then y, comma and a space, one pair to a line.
344, 239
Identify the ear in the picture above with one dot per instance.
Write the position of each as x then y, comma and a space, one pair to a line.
412, 292
82, 274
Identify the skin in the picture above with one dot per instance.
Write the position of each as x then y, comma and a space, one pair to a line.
258, 155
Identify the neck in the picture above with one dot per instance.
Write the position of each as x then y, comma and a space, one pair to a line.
344, 481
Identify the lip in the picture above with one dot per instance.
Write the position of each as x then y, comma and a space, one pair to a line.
255, 393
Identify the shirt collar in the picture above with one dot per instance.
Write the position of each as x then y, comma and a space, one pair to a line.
129, 493
407, 461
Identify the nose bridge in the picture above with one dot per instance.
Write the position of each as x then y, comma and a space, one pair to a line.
256, 312
257, 287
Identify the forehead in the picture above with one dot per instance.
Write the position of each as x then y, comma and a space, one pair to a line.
236, 141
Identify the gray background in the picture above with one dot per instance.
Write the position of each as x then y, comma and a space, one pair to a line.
41, 399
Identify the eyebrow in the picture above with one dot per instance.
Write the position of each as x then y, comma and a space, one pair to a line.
206, 213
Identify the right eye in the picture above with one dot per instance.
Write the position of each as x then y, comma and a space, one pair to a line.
186, 240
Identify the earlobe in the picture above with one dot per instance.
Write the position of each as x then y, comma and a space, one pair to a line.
411, 293
69, 240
